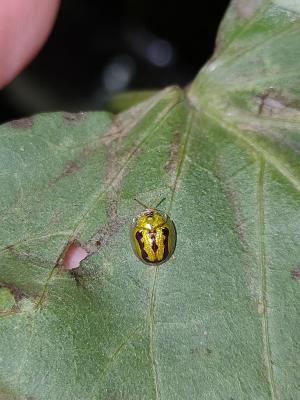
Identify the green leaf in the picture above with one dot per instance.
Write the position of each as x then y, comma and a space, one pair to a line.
220, 319
124, 100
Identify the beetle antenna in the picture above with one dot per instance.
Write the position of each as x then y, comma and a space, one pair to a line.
141, 204
163, 199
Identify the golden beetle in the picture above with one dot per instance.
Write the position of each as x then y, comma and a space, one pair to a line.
153, 236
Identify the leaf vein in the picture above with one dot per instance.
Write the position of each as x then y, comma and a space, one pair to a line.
248, 25
151, 334
237, 55
263, 267
119, 350
182, 157
271, 159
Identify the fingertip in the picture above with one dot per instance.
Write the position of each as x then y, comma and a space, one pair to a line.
25, 26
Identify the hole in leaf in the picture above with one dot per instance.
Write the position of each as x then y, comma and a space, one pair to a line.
73, 256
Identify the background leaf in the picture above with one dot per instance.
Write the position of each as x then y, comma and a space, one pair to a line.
220, 319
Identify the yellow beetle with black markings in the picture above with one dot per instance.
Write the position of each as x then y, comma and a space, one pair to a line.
153, 236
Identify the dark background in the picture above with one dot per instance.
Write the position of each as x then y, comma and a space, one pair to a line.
98, 48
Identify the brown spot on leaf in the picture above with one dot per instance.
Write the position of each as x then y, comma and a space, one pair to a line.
201, 351
269, 103
295, 273
14, 290
17, 293
71, 167
78, 276
11, 247
239, 220
23, 123
116, 132
171, 165
272, 102
74, 117
89, 149
103, 236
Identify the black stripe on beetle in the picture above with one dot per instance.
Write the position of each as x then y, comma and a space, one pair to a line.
153, 241
139, 237
165, 232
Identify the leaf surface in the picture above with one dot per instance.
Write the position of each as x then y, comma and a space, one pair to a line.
220, 319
